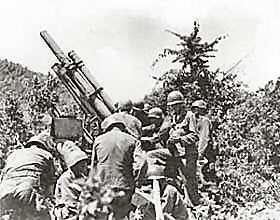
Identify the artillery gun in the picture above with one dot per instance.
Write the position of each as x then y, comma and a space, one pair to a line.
90, 96
81, 84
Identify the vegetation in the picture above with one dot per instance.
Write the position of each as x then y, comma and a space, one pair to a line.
246, 124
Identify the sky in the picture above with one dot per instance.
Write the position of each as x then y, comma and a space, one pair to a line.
119, 40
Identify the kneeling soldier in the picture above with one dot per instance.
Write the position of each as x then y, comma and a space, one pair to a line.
67, 191
162, 200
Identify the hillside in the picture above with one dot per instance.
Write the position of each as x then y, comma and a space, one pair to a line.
16, 78
25, 98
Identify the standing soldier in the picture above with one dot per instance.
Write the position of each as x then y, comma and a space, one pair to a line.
67, 191
155, 116
27, 178
203, 126
182, 142
112, 163
149, 132
205, 146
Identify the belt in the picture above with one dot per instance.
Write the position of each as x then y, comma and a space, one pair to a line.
22, 173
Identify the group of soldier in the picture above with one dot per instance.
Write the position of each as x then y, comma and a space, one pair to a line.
141, 150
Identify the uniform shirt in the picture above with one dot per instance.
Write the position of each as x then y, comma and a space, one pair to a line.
66, 191
33, 158
67, 194
184, 128
113, 152
203, 128
172, 204
25, 169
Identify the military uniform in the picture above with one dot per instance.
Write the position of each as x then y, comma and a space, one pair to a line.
183, 130
67, 194
112, 164
205, 147
67, 190
155, 135
203, 128
27, 176
172, 203
182, 142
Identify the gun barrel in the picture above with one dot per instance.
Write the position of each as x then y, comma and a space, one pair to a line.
91, 79
54, 48
77, 79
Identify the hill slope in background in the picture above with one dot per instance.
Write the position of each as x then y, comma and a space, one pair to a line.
247, 136
16, 78
13, 76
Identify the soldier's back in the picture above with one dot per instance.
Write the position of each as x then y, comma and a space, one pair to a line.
114, 154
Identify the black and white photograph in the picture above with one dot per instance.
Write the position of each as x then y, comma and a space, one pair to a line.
140, 110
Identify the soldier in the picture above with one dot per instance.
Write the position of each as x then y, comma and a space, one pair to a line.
112, 163
125, 106
138, 112
133, 124
28, 178
203, 126
155, 116
182, 142
171, 201
156, 134
67, 190
205, 146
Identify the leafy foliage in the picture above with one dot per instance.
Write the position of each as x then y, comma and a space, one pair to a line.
246, 127
26, 99
193, 78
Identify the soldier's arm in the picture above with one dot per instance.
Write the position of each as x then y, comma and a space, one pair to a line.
192, 136
139, 163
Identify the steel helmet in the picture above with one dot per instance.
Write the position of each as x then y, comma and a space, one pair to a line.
161, 156
112, 120
71, 153
139, 105
199, 104
175, 97
125, 105
155, 113
155, 171
43, 140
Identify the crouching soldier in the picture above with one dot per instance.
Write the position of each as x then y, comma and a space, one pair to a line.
67, 189
28, 178
159, 199
112, 163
